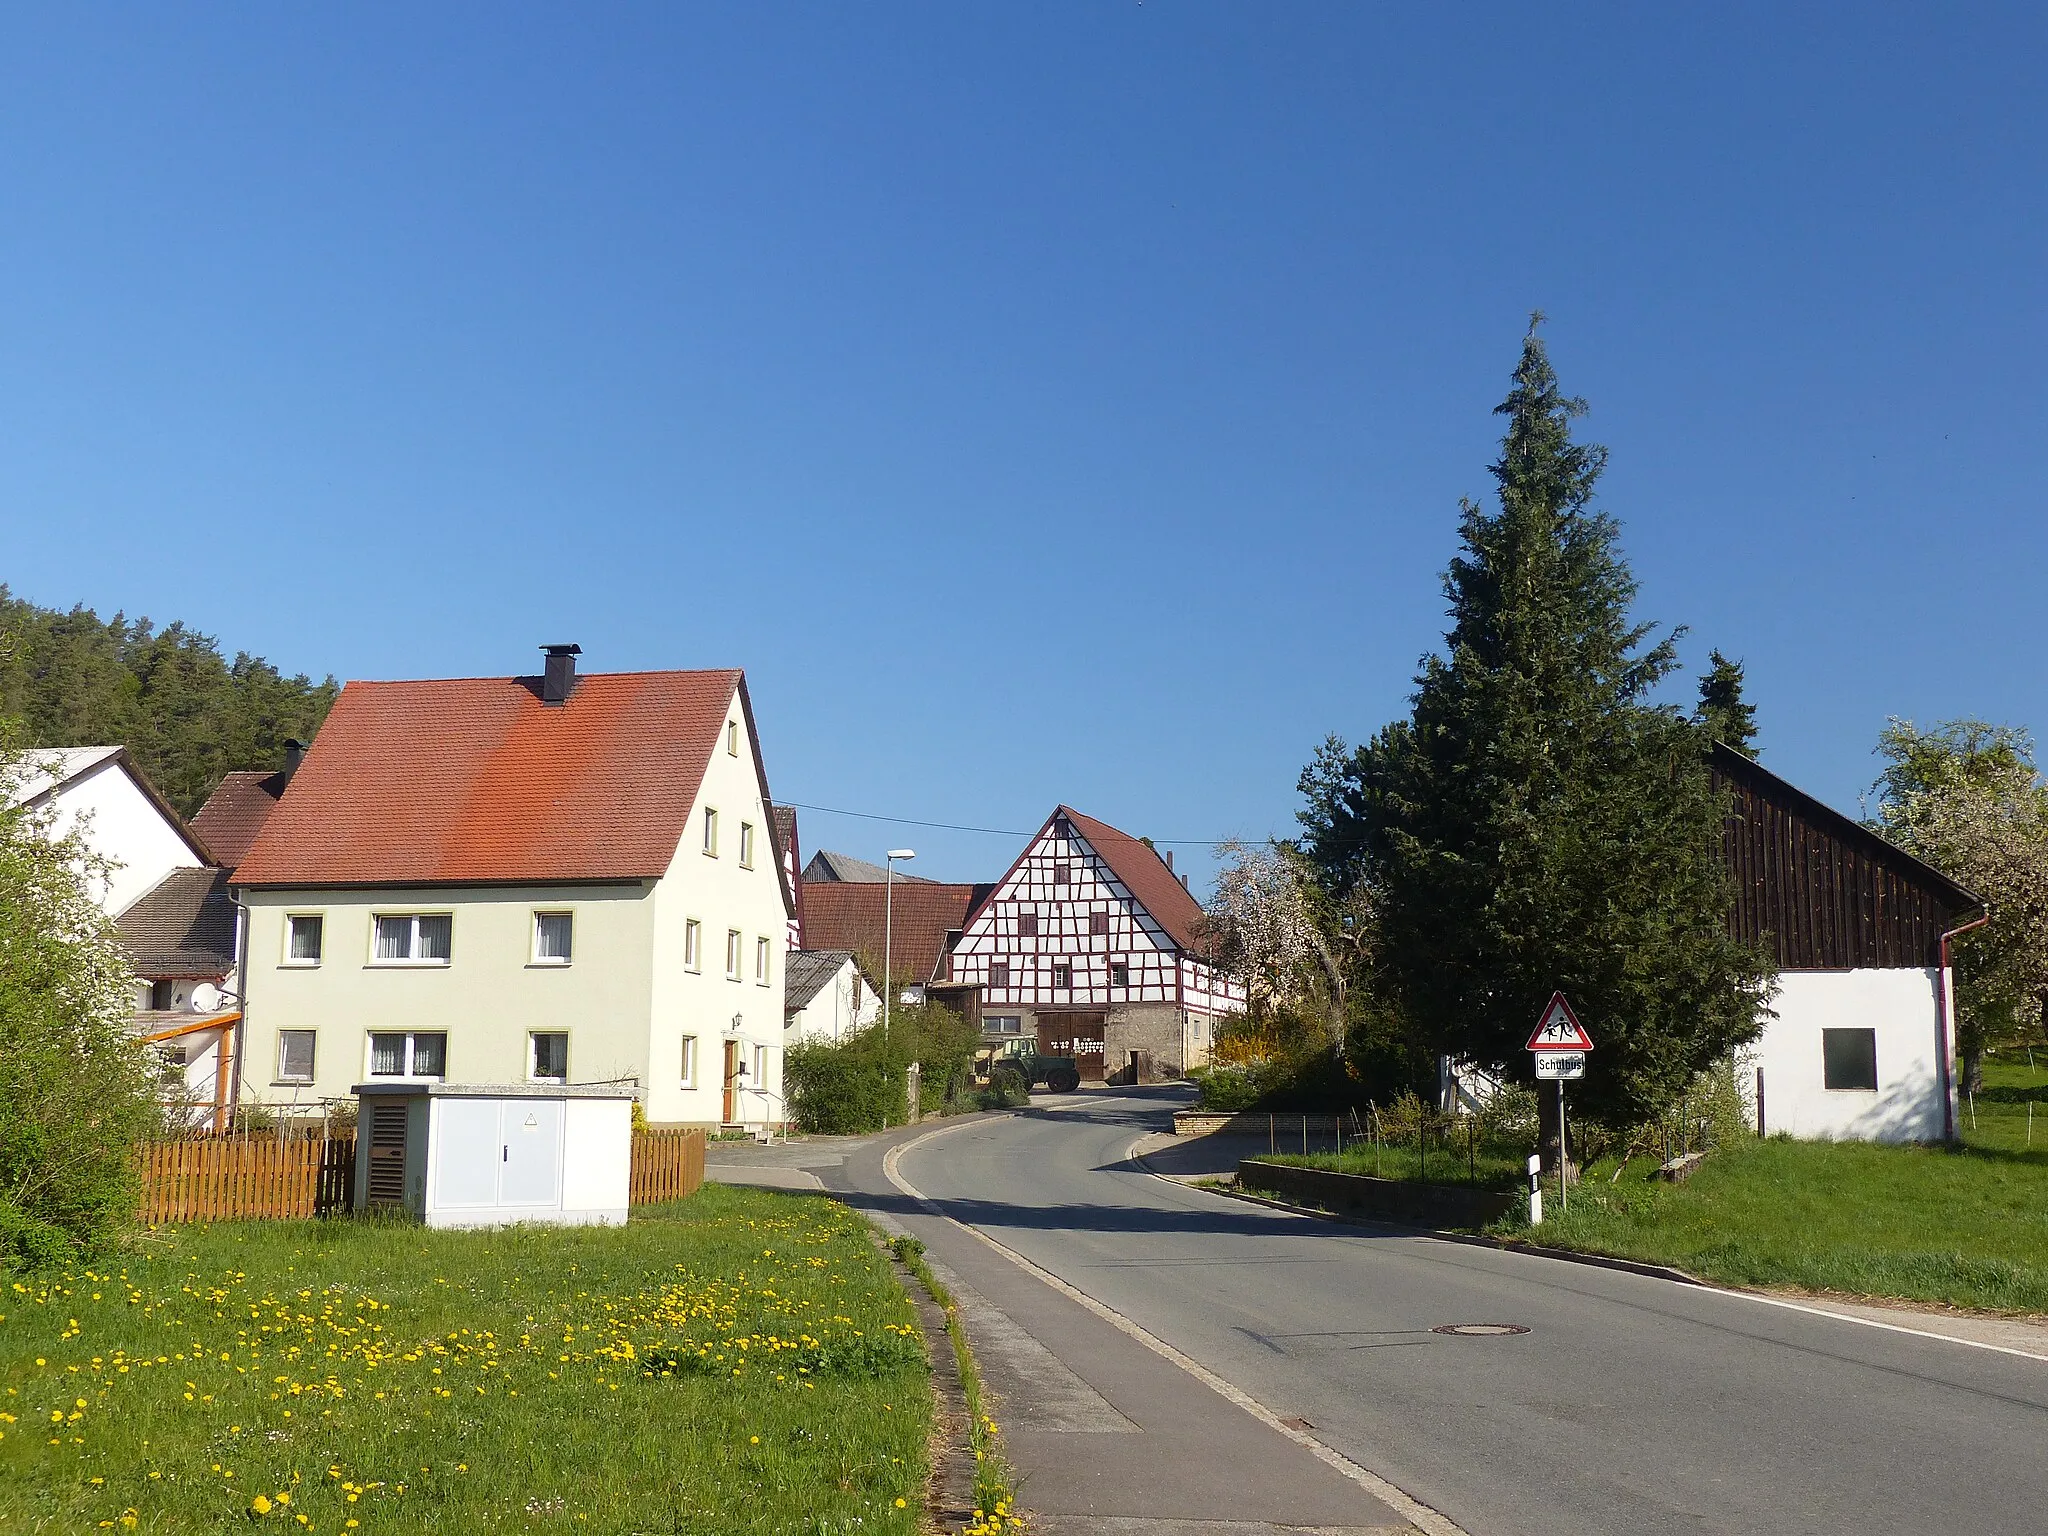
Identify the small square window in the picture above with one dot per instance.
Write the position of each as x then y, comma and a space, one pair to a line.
1063, 975
1062, 873
1119, 973
163, 996
689, 1078
693, 945
295, 1055
733, 941
999, 973
710, 832
746, 845
554, 936
1027, 925
1849, 1060
302, 938
761, 949
1098, 923
550, 1058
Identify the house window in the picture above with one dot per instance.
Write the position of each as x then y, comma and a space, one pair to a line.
761, 961
414, 938
732, 738
1849, 1060
408, 1055
295, 1055
693, 945
689, 1078
1027, 924
760, 1065
163, 996
746, 845
999, 973
710, 832
1003, 1024
1119, 973
554, 935
1062, 873
1098, 923
732, 954
1062, 975
302, 935
548, 1059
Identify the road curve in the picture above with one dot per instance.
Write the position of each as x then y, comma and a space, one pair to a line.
1631, 1405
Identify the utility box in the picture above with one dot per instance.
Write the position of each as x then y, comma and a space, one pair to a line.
489, 1155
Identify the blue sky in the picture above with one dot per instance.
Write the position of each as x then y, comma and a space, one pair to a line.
1049, 402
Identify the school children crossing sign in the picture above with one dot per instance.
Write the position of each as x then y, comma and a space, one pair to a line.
1559, 1029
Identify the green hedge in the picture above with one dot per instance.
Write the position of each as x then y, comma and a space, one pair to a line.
860, 1083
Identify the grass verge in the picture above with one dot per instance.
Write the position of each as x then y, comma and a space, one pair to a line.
995, 1480
740, 1362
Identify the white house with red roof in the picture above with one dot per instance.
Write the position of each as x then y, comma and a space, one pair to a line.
524, 879
1093, 944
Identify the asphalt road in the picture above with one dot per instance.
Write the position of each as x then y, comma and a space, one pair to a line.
1630, 1405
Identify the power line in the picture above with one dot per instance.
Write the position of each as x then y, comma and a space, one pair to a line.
948, 826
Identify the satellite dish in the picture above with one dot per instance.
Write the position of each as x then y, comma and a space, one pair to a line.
206, 997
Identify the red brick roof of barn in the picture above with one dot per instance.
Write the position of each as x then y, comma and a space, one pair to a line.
849, 915
236, 811
476, 781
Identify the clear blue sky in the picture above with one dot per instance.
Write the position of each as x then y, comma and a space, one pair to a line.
1042, 402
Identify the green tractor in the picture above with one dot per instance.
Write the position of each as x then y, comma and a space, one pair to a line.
1018, 1061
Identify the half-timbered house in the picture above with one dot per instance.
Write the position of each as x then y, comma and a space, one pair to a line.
1860, 1040
1092, 944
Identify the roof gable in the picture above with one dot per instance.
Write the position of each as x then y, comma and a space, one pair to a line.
1136, 866
475, 780
46, 770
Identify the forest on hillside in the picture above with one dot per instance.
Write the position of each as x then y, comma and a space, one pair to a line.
188, 713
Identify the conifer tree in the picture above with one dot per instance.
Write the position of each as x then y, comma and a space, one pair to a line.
1723, 713
1537, 823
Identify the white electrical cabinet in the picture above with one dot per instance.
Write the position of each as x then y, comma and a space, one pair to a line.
488, 1155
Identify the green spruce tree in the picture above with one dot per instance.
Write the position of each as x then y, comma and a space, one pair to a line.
1537, 823
1723, 713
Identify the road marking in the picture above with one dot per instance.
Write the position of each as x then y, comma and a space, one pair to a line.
1134, 1156
1419, 1515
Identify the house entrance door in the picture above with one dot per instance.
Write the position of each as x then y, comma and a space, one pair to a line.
732, 1081
1078, 1035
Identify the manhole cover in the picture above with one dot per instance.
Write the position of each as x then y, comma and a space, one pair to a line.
1479, 1330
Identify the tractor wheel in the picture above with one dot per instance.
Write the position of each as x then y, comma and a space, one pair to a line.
1063, 1080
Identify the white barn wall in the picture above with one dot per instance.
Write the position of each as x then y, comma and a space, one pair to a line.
1901, 1005
124, 826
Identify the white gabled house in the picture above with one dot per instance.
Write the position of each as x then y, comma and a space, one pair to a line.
552, 879
100, 791
826, 997
1091, 943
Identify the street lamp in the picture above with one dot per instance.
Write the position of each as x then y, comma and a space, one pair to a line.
888, 921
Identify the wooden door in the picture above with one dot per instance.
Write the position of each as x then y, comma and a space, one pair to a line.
732, 1081
1078, 1035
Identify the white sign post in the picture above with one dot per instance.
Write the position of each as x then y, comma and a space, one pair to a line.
1559, 1044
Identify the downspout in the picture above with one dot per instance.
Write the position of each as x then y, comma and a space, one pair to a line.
242, 987
1944, 1010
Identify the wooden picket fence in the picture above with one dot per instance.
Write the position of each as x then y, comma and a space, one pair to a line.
237, 1178
240, 1178
667, 1164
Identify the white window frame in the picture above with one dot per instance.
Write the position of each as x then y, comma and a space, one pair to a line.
291, 919
689, 1061
734, 953
760, 1066
762, 949
410, 1036
533, 1040
746, 845
732, 738
693, 946
313, 1066
710, 831
411, 961
553, 962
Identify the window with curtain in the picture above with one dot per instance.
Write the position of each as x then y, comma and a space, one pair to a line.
302, 938
295, 1056
553, 936
414, 938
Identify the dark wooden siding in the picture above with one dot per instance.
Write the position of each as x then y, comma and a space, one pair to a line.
1821, 892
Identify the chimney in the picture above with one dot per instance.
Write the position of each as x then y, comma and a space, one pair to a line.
294, 754
560, 676
1169, 861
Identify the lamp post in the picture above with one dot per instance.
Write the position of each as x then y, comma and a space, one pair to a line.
888, 925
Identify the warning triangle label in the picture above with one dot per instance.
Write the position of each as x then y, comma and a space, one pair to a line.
1559, 1029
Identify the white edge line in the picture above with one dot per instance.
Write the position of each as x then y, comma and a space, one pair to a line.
1703, 1285
1419, 1515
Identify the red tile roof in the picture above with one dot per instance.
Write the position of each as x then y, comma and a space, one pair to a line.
849, 915
475, 780
236, 810
1144, 874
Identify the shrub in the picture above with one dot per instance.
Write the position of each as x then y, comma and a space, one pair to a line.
76, 1088
859, 1084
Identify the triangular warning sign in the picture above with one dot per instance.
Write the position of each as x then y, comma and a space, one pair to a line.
1559, 1029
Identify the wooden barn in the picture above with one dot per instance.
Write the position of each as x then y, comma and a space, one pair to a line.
1862, 1039
1093, 944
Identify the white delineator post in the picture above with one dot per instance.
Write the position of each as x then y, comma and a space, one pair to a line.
1535, 1189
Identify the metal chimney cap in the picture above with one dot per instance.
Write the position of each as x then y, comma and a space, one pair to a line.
563, 650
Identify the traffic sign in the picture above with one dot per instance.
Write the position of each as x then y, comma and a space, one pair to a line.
1559, 1029
1560, 1065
